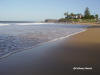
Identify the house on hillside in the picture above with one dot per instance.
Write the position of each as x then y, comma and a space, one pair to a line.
74, 16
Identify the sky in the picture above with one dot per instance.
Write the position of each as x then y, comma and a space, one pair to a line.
39, 10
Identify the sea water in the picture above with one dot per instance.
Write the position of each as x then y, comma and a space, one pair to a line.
21, 36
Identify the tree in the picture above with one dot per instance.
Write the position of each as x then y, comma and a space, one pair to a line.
87, 13
96, 16
66, 14
72, 14
92, 17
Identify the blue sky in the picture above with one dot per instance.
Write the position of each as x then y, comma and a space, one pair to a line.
37, 10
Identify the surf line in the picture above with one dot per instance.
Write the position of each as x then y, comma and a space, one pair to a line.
61, 38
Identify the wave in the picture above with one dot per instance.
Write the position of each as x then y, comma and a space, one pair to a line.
31, 23
2, 24
23, 24
61, 38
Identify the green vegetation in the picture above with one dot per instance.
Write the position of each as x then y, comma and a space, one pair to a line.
81, 18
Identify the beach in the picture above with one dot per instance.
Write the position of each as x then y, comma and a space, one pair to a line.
58, 57
16, 37
50, 37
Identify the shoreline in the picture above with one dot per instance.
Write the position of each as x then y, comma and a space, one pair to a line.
54, 40
91, 24
57, 39
82, 49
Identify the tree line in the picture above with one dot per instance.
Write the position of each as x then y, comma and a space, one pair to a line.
77, 17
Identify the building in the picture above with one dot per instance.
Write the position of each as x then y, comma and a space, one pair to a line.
74, 16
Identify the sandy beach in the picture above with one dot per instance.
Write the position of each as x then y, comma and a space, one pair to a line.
59, 58
50, 37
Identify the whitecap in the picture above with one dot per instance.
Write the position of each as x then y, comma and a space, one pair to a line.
2, 24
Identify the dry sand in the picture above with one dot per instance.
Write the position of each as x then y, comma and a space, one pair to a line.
86, 46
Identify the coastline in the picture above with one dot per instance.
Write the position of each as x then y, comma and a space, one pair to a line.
91, 24
54, 40
40, 44
81, 49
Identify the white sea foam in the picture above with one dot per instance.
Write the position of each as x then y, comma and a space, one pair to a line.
61, 38
2, 24
30, 23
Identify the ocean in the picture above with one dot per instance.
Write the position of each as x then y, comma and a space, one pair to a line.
21, 36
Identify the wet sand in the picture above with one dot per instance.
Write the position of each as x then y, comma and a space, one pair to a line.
58, 58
